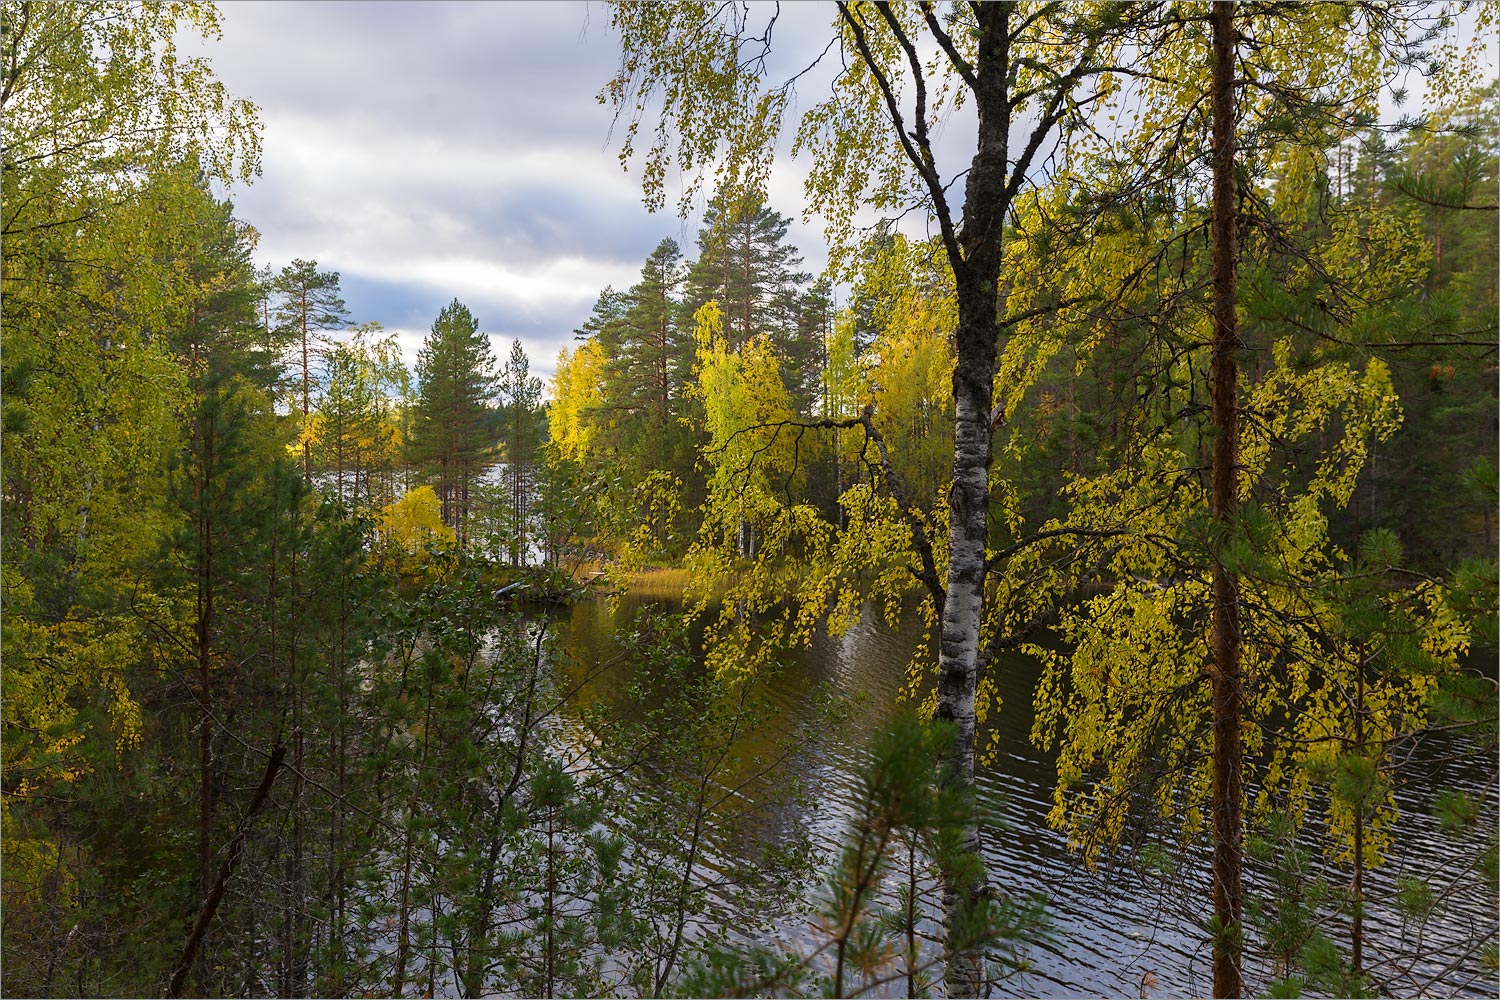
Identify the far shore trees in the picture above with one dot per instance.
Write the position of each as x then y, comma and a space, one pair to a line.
308, 303
456, 372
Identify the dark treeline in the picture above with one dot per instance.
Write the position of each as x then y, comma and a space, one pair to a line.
283, 715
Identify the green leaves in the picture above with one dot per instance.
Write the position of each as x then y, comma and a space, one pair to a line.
697, 61
115, 77
1327, 969
111, 244
456, 374
1456, 810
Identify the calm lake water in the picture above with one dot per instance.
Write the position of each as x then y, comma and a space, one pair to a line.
1113, 932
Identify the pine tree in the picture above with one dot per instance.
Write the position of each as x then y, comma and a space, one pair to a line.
215, 488
748, 267
455, 369
309, 303
655, 355
606, 322
806, 351
602, 338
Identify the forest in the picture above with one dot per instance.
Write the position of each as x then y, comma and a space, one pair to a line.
1123, 490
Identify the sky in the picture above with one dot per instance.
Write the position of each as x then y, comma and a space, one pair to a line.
432, 151
435, 151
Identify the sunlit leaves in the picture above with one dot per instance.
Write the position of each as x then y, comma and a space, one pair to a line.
746, 413
414, 522
96, 92
1127, 703
577, 397
697, 61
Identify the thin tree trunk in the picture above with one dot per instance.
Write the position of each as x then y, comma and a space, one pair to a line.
216, 895
296, 956
913, 952
205, 679
284, 972
403, 932
403, 945
296, 950
976, 281
1228, 760
1357, 889
338, 825
749, 252
306, 396
551, 948
518, 487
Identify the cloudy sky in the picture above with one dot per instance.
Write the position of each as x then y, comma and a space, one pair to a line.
431, 151
428, 151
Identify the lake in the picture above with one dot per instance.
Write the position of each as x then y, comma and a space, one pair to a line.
1118, 930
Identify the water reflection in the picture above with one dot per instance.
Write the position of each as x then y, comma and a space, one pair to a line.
1122, 930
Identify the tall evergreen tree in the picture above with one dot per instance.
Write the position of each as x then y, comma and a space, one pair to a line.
309, 302
606, 322
746, 264
455, 369
655, 356
230, 442
602, 338
806, 352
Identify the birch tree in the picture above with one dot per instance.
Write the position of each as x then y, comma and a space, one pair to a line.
698, 71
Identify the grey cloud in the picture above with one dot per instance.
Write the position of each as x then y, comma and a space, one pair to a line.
365, 104
410, 309
415, 305
502, 72
527, 222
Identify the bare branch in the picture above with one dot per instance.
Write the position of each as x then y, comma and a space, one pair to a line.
921, 160
959, 62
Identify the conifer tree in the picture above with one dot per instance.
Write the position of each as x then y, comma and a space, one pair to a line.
594, 399
455, 369
309, 303
655, 355
230, 443
806, 350
746, 264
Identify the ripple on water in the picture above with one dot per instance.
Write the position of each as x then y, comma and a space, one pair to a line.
1114, 931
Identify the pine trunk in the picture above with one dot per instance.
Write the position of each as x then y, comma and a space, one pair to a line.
306, 399
1228, 760
205, 680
